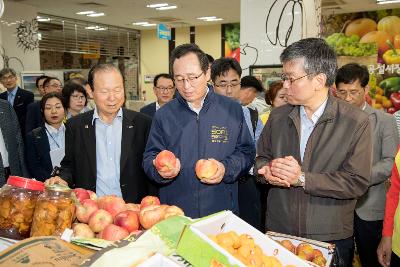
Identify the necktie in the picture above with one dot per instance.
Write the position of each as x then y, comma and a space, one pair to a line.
10, 98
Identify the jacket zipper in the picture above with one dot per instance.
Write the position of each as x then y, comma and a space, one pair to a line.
198, 156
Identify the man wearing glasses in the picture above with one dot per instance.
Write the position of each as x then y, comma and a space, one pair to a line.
34, 116
164, 90
18, 98
315, 152
199, 124
225, 74
351, 86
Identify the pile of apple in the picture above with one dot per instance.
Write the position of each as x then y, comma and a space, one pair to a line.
110, 218
305, 251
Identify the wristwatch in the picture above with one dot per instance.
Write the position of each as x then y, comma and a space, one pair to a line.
301, 180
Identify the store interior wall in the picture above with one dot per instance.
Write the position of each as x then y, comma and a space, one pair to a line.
154, 51
13, 12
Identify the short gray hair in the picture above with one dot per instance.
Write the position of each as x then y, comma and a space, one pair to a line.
318, 57
6, 71
98, 68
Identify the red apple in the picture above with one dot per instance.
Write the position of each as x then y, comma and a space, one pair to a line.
151, 215
99, 220
165, 161
149, 200
82, 230
305, 251
81, 194
133, 207
85, 210
205, 168
92, 195
128, 220
113, 232
112, 204
173, 211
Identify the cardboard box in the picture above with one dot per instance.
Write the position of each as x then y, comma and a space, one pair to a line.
43, 251
158, 260
327, 249
195, 246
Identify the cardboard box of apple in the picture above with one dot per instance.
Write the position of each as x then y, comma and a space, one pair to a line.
110, 218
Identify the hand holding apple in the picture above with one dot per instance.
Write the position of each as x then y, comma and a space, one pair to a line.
171, 172
165, 161
210, 171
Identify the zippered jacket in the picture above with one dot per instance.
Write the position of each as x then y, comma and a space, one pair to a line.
219, 131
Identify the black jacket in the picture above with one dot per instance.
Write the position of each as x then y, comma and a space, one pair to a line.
38, 154
22, 99
78, 167
149, 109
34, 118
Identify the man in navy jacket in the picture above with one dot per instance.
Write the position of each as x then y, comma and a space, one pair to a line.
199, 124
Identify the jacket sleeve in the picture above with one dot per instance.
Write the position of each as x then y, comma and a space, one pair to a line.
67, 163
264, 154
352, 179
392, 201
32, 159
242, 158
381, 170
155, 145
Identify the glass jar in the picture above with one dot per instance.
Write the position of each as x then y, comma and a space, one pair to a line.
54, 211
17, 204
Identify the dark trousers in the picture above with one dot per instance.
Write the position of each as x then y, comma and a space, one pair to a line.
394, 260
344, 251
250, 201
367, 235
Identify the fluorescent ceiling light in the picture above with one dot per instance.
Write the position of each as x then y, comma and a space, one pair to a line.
91, 27
382, 2
148, 25
157, 5
85, 12
101, 29
96, 15
216, 19
204, 18
166, 7
43, 19
140, 23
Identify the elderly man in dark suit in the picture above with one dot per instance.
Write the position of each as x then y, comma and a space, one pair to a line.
164, 89
18, 98
11, 144
104, 147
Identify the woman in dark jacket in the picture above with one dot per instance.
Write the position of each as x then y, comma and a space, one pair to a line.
41, 141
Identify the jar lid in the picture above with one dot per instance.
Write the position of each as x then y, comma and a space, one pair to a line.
58, 188
25, 183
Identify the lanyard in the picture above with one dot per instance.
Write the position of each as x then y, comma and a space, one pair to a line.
58, 146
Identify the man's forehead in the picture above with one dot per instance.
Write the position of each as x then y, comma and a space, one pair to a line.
293, 66
350, 86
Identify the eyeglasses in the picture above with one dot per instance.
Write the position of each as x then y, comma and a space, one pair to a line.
8, 78
55, 85
191, 79
352, 93
165, 89
285, 78
78, 97
226, 85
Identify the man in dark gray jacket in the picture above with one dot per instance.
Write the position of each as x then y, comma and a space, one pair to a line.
315, 152
11, 145
351, 86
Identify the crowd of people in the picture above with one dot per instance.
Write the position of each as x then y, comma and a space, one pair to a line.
315, 164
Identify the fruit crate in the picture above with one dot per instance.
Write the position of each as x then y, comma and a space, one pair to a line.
327, 249
199, 250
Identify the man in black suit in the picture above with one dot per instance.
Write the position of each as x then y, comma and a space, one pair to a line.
104, 147
15, 95
11, 145
34, 118
164, 89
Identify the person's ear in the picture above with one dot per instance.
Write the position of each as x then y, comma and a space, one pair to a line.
366, 90
319, 81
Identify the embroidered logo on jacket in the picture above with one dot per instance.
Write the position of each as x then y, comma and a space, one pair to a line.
219, 134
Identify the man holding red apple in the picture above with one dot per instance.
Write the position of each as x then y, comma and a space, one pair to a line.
198, 124
315, 152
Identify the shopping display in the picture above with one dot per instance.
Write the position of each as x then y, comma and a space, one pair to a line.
17, 203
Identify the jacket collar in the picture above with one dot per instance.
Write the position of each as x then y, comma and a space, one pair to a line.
207, 100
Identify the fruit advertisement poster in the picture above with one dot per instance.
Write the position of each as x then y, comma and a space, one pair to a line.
372, 39
232, 40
